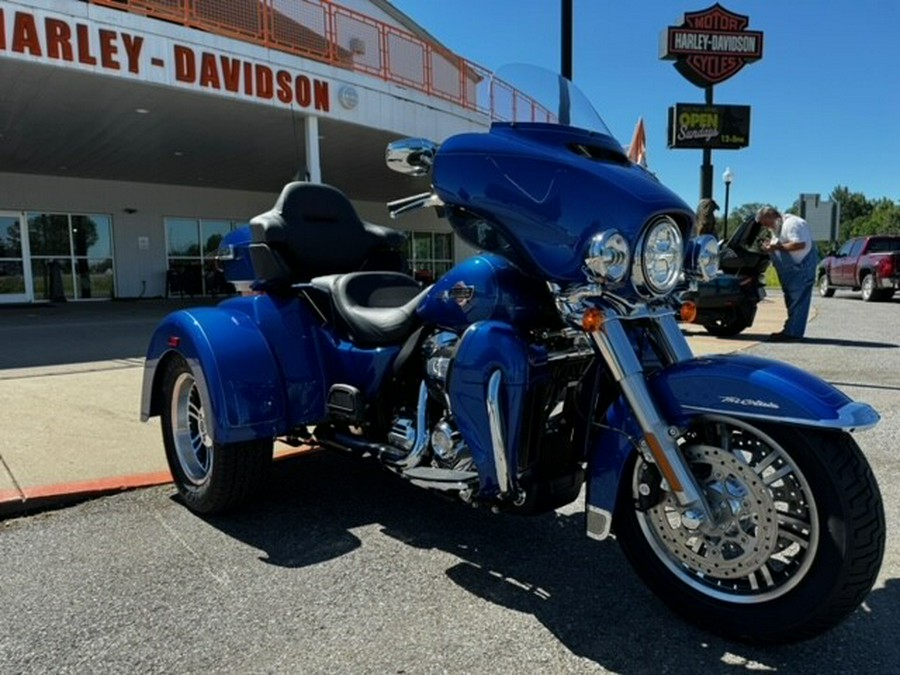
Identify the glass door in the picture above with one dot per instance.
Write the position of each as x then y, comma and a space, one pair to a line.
15, 280
70, 256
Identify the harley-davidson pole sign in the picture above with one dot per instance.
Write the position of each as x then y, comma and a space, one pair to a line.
711, 45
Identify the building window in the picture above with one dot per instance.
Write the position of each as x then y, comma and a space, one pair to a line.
430, 254
191, 247
71, 255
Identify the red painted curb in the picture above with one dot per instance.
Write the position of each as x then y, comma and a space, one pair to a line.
12, 501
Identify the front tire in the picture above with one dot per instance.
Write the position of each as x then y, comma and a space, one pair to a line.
211, 477
826, 290
798, 536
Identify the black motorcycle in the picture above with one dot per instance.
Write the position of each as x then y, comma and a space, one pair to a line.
726, 304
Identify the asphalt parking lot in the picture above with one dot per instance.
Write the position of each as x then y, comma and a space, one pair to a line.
341, 567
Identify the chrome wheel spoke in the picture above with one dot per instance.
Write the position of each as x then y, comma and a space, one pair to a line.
776, 476
764, 531
191, 439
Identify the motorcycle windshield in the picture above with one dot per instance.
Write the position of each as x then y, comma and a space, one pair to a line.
525, 93
545, 179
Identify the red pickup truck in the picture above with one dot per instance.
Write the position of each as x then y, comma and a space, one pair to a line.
870, 264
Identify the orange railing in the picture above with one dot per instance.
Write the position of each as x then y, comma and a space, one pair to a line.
330, 33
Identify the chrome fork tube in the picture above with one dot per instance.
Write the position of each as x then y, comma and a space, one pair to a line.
672, 339
659, 437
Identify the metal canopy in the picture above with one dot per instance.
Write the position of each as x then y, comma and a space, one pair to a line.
60, 122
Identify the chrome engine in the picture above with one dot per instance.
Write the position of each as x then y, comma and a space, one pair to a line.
403, 434
440, 349
428, 443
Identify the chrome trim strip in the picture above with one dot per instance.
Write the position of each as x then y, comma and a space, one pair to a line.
415, 455
440, 485
495, 420
226, 254
853, 416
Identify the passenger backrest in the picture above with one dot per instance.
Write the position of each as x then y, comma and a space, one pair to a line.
313, 230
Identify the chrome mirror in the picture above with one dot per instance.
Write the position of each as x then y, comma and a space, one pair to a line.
412, 156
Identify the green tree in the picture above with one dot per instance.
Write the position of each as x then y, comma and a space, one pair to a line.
855, 208
742, 213
884, 219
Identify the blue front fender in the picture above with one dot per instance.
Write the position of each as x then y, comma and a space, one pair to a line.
749, 387
739, 386
230, 358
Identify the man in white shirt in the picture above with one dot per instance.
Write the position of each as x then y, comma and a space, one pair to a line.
795, 258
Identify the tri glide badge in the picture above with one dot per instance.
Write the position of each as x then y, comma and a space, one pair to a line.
749, 402
460, 293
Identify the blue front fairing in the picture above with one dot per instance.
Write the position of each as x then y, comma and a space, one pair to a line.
537, 193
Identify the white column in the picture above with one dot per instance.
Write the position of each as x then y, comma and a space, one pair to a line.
311, 129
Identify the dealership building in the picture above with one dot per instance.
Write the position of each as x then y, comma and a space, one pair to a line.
134, 134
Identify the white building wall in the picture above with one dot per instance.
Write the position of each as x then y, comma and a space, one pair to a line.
381, 105
142, 272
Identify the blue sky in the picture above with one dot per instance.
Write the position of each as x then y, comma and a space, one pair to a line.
825, 97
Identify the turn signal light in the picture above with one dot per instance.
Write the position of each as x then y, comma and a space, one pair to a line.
688, 312
174, 341
592, 320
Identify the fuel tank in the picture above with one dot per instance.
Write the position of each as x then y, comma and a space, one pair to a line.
486, 287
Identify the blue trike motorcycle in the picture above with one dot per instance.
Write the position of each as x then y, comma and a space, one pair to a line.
549, 363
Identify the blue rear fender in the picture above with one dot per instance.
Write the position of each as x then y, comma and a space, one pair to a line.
738, 386
230, 357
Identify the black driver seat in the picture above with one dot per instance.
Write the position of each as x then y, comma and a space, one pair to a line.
376, 308
314, 235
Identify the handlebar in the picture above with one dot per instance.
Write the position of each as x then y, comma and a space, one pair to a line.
404, 204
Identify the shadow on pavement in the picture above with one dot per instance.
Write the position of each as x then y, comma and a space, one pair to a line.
863, 344
583, 591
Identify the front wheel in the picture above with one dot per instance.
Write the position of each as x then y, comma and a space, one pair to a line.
826, 290
211, 477
797, 536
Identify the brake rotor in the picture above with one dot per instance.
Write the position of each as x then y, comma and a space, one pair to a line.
744, 531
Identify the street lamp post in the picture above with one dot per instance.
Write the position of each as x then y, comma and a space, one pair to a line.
728, 176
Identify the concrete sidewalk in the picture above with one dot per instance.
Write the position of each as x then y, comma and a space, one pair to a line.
70, 384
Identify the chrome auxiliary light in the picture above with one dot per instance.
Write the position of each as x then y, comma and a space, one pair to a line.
608, 256
703, 257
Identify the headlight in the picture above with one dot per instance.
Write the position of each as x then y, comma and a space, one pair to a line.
608, 256
658, 257
703, 257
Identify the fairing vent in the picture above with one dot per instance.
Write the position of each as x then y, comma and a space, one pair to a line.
597, 153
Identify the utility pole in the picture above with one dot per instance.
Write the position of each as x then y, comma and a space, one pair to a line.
706, 169
566, 62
